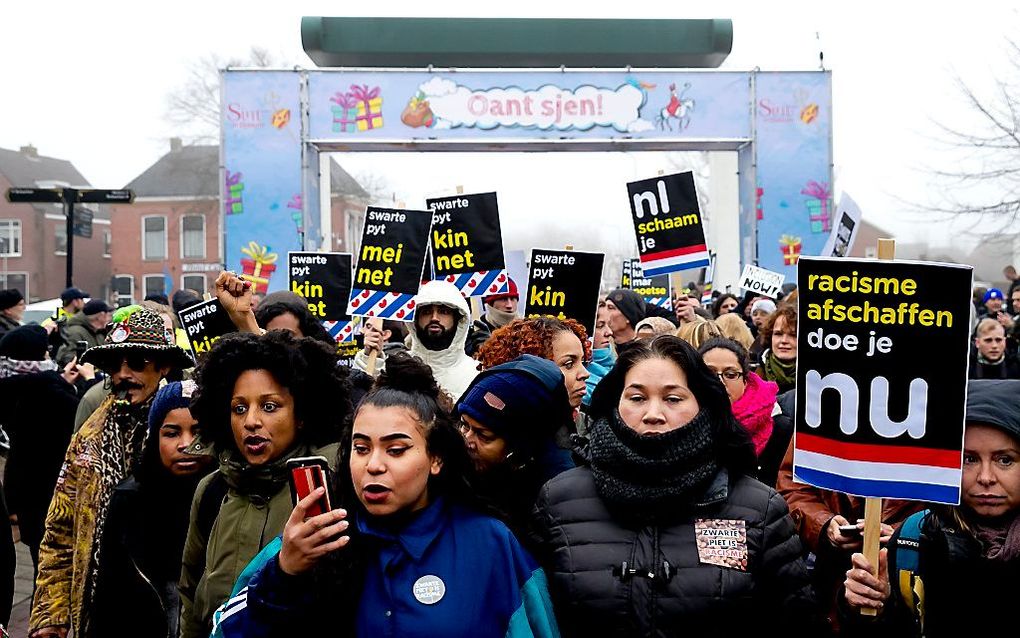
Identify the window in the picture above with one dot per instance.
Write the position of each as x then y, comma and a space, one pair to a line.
10, 238
193, 237
154, 237
16, 280
124, 288
154, 285
194, 282
107, 243
61, 235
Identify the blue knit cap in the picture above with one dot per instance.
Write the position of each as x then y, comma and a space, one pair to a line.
521, 399
170, 397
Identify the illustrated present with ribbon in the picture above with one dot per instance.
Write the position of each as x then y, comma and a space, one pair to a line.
233, 204
790, 246
818, 205
296, 211
382, 304
369, 105
480, 284
260, 265
345, 112
341, 331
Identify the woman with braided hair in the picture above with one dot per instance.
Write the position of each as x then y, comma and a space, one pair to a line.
661, 532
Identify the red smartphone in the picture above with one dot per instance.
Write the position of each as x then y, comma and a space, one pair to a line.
306, 474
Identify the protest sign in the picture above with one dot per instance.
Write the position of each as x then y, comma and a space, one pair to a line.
656, 291
347, 350
205, 323
668, 224
844, 231
761, 281
882, 352
324, 279
565, 283
466, 243
390, 263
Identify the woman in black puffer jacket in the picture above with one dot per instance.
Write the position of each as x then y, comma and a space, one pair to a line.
661, 533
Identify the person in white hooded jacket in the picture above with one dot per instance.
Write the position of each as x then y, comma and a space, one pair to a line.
441, 322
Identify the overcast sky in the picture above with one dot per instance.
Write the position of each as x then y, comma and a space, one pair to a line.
88, 81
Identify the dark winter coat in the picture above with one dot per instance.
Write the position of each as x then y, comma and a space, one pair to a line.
611, 578
7, 324
1009, 368
38, 415
78, 328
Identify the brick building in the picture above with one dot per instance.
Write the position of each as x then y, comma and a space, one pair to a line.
33, 237
170, 237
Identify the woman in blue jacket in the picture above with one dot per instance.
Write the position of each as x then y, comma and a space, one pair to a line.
408, 553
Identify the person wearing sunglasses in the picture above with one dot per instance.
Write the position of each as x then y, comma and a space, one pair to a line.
138, 353
753, 401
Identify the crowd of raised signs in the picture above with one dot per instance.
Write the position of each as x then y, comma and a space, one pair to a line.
488, 475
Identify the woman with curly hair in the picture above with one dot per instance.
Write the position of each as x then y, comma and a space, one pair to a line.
562, 341
262, 401
779, 337
408, 553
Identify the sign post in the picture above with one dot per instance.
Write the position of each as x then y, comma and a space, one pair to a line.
69, 197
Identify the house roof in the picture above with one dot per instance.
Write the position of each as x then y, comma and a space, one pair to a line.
28, 169
192, 171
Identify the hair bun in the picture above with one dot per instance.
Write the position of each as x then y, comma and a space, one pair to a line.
409, 374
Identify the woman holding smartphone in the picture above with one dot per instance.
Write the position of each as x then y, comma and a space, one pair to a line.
409, 552
262, 401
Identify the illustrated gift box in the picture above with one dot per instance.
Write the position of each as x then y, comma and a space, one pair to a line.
234, 204
345, 112
818, 206
790, 247
260, 265
369, 107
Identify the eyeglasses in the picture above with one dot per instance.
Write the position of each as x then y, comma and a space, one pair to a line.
729, 375
134, 360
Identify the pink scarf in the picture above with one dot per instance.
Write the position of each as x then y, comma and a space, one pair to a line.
754, 409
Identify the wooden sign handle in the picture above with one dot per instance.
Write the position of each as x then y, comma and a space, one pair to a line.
373, 356
873, 506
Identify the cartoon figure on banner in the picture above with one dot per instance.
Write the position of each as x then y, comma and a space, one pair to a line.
819, 198
418, 113
679, 108
259, 266
809, 113
233, 204
790, 246
297, 212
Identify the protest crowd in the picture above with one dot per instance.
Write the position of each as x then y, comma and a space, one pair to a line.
626, 469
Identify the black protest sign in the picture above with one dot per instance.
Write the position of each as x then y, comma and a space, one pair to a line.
656, 290
629, 267
466, 236
324, 279
564, 283
882, 352
205, 323
392, 254
668, 224
347, 350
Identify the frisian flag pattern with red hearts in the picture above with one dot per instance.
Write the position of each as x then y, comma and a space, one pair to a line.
480, 284
382, 304
341, 331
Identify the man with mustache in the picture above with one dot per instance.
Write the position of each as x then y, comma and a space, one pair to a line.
441, 321
139, 352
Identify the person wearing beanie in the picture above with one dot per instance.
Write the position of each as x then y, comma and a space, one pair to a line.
39, 404
147, 524
967, 557
500, 310
138, 355
89, 326
651, 327
625, 309
510, 416
12, 309
992, 303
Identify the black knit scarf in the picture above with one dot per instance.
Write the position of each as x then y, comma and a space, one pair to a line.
654, 475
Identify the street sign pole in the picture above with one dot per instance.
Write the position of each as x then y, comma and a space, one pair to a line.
70, 196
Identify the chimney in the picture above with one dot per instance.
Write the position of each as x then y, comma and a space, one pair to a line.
175, 144
29, 151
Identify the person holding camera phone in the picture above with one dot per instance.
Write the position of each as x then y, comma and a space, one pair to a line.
408, 552
263, 400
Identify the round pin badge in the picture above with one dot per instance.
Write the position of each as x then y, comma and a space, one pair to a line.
120, 333
429, 590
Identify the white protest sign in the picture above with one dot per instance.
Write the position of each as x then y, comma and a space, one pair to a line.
844, 231
761, 281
